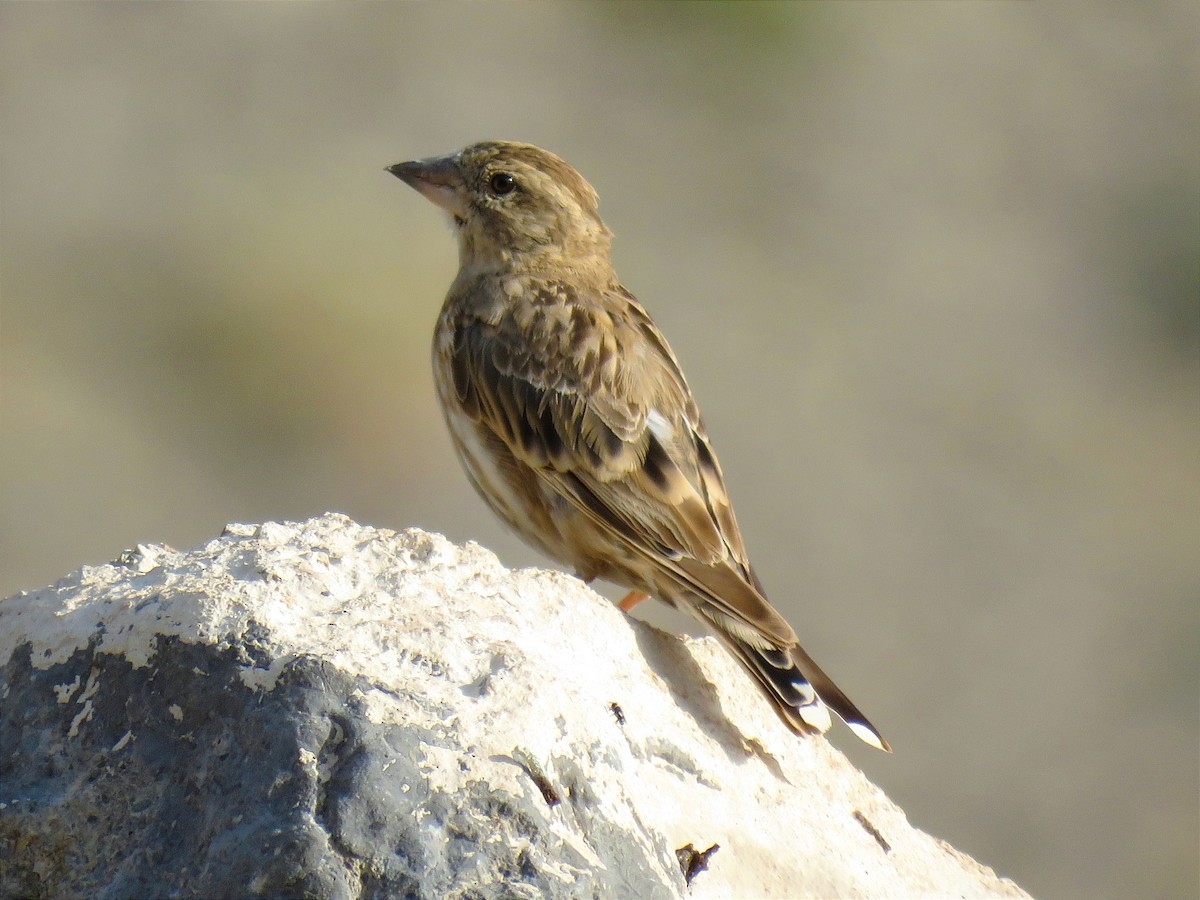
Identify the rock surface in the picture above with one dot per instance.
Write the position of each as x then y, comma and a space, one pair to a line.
325, 709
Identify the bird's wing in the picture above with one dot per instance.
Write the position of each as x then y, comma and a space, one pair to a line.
584, 389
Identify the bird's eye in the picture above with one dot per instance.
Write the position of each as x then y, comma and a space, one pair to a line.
502, 183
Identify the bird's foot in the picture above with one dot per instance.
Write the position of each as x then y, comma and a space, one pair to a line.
632, 599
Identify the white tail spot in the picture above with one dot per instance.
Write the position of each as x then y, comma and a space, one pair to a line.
816, 716
866, 735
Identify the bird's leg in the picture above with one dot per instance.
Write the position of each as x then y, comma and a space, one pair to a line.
632, 599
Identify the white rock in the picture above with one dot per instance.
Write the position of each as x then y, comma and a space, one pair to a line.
321, 707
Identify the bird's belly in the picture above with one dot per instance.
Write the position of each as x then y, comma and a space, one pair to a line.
516, 494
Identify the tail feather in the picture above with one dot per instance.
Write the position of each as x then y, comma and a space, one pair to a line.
836, 700
799, 690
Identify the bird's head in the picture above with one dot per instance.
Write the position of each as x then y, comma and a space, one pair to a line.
513, 206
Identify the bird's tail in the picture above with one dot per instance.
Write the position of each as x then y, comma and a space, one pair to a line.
799, 690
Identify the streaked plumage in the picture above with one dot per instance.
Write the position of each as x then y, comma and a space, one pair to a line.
574, 422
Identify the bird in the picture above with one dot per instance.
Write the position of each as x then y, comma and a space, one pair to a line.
573, 421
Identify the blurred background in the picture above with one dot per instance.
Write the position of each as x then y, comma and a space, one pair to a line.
932, 270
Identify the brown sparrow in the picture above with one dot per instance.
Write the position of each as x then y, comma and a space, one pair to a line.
574, 422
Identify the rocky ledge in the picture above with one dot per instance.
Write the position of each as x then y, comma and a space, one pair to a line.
329, 710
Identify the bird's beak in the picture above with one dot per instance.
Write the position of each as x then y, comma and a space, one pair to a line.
439, 179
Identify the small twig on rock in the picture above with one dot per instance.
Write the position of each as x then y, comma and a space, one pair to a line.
872, 831
525, 760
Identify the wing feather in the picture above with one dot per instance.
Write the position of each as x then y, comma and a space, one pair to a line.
571, 387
